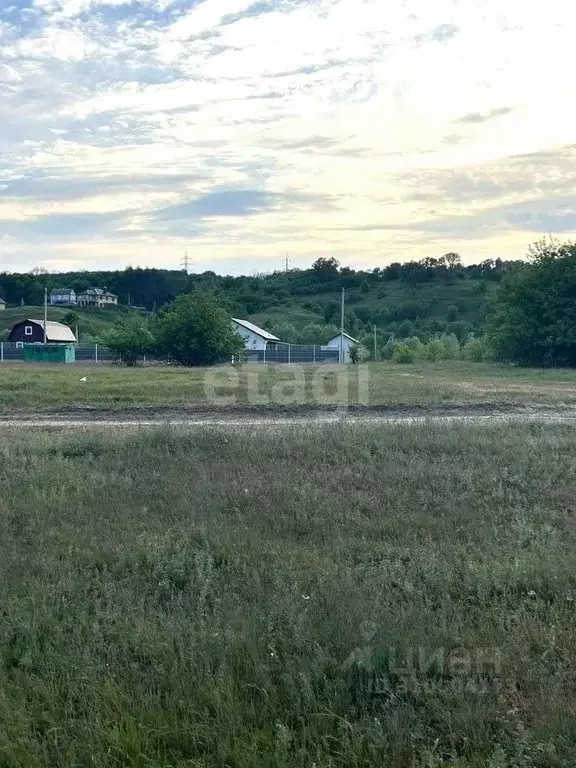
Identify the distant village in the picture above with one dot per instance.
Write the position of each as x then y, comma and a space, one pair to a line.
262, 345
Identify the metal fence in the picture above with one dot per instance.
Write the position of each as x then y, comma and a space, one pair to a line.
274, 353
292, 353
11, 352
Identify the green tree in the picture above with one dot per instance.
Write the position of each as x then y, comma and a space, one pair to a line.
286, 332
196, 330
315, 333
326, 268
533, 317
128, 339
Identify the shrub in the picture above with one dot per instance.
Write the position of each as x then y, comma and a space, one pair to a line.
403, 353
444, 347
474, 349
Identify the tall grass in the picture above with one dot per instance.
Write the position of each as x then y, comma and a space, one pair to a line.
400, 596
33, 387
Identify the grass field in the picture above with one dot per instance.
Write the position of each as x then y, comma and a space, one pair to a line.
385, 596
27, 387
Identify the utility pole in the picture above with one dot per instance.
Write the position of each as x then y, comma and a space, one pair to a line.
45, 314
286, 261
342, 326
375, 345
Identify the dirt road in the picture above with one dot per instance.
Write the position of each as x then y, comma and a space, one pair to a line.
289, 416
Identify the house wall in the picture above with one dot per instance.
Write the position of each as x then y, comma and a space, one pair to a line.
2, 306
18, 333
97, 301
335, 344
63, 298
251, 339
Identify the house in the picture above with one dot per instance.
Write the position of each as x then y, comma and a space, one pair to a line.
254, 337
342, 341
62, 296
32, 332
97, 297
2, 304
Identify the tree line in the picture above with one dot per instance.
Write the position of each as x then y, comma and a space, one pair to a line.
153, 288
530, 315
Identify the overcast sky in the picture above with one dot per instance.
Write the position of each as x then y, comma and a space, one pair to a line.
374, 131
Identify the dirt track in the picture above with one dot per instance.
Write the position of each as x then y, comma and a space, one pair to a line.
256, 416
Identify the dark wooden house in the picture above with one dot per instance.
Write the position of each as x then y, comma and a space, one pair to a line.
32, 332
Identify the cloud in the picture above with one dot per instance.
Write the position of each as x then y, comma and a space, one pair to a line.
128, 127
440, 34
476, 117
236, 202
57, 226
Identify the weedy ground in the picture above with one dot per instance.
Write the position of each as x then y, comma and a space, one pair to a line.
397, 596
26, 387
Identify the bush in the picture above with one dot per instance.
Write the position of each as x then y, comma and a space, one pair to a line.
474, 349
444, 347
403, 353
434, 349
415, 345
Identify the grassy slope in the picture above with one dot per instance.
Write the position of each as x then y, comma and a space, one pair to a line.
198, 599
92, 321
28, 387
468, 296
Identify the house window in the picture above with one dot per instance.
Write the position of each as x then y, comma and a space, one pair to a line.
28, 330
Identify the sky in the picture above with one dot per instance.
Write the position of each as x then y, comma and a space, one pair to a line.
245, 131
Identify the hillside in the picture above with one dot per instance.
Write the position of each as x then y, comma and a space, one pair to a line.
421, 298
91, 322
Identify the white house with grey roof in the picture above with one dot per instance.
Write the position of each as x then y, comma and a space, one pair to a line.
255, 338
342, 341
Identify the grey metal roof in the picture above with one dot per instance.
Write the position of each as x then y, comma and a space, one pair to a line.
255, 329
54, 331
2, 300
96, 292
346, 335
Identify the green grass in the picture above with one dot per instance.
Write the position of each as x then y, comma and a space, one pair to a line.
29, 387
92, 320
173, 598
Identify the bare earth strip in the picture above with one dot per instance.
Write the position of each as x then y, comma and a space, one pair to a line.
258, 416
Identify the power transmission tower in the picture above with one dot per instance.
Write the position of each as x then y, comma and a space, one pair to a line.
185, 263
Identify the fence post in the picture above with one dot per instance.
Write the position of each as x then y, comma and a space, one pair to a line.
264, 356
288, 353
1, 351
96, 352
314, 354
